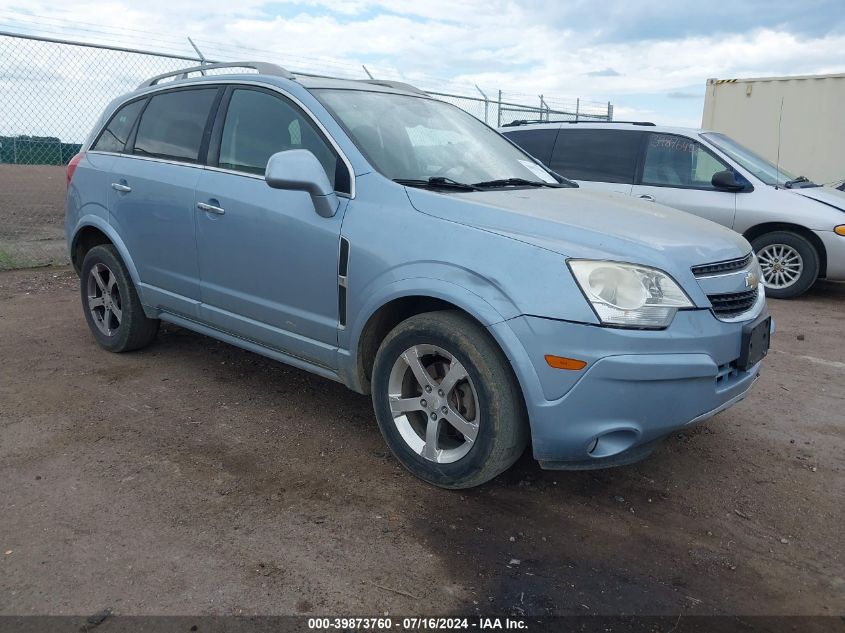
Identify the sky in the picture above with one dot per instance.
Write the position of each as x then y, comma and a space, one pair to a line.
650, 59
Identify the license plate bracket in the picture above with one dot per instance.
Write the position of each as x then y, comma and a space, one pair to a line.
755, 342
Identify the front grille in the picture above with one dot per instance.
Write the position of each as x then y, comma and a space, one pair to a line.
733, 303
717, 268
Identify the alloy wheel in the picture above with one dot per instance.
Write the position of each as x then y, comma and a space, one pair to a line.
104, 300
434, 403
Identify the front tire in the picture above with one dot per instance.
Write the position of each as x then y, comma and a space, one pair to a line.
111, 304
447, 402
789, 262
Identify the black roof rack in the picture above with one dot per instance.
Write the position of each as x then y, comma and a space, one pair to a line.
647, 123
531, 121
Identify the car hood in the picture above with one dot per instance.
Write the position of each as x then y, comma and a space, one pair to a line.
825, 195
589, 224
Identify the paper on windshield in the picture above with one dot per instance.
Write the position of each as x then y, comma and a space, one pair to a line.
538, 171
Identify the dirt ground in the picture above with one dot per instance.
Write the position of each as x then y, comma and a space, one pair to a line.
195, 478
32, 205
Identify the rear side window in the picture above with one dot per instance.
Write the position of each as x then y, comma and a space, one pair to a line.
538, 143
113, 138
259, 124
173, 123
599, 155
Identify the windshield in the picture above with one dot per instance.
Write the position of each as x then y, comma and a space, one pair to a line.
416, 138
757, 165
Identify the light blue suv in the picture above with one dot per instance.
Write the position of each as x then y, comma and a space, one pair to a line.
368, 233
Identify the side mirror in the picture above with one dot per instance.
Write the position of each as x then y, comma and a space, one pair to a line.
727, 181
299, 170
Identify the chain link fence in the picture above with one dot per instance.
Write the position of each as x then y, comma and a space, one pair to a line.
52, 91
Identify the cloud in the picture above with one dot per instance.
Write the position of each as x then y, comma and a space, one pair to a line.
607, 72
683, 95
561, 50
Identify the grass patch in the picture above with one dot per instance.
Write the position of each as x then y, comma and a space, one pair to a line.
7, 262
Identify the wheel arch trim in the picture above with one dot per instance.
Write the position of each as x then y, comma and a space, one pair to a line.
448, 292
96, 222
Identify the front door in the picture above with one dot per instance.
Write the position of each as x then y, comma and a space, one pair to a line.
676, 171
268, 262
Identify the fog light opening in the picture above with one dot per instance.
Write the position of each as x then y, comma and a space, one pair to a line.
612, 443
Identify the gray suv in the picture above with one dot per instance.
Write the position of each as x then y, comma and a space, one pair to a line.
368, 233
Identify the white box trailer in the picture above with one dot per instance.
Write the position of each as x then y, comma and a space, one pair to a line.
812, 127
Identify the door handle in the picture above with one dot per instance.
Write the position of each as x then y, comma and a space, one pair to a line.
210, 208
122, 188
645, 196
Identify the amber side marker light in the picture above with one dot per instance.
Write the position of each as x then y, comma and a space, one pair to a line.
560, 362
839, 230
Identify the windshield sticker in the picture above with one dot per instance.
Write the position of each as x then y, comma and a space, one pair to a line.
537, 171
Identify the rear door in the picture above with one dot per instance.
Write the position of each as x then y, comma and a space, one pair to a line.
268, 262
601, 159
676, 171
152, 197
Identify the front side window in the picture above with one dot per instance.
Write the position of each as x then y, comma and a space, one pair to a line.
416, 138
678, 161
173, 124
604, 155
114, 137
259, 124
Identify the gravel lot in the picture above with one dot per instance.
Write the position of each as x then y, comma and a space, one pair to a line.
195, 478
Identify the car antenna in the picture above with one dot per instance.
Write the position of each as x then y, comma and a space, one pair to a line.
777, 162
203, 60
367, 71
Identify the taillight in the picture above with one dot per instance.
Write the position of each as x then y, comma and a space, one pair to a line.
71, 166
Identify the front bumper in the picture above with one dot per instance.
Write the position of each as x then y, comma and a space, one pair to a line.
638, 386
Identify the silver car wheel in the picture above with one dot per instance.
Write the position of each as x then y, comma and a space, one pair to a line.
434, 403
782, 265
104, 299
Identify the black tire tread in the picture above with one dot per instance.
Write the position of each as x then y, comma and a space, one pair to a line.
139, 330
808, 254
506, 402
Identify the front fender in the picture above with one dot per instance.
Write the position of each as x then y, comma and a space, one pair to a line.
458, 294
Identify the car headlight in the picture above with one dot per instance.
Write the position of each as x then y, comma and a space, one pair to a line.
628, 295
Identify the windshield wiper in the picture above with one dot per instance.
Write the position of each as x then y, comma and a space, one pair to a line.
436, 182
789, 184
515, 182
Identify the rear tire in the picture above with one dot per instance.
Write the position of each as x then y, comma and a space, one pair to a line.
111, 304
447, 401
789, 261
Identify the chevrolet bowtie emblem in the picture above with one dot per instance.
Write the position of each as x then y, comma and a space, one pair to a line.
751, 280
